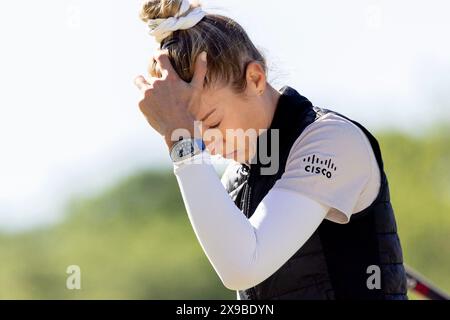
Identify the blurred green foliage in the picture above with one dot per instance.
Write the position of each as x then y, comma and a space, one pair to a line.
134, 241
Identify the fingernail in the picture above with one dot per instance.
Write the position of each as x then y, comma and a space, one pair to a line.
204, 56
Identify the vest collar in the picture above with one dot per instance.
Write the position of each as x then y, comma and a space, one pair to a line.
291, 111
291, 107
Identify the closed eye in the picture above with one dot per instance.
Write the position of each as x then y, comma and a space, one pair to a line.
208, 115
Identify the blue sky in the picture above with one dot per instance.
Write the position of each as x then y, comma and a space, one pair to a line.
69, 123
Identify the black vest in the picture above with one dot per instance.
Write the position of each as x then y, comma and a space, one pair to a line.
334, 262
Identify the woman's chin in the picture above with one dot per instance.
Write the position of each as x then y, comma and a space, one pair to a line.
229, 156
238, 156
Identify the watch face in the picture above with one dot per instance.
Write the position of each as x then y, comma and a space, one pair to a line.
186, 148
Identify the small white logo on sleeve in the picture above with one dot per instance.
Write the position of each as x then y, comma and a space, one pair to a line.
316, 165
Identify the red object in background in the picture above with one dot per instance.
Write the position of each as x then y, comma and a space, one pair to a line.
425, 288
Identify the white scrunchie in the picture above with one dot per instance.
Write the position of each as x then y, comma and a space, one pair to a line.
162, 28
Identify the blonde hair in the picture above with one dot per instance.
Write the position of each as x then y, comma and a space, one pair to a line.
229, 47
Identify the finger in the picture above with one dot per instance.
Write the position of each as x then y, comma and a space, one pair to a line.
165, 66
201, 69
141, 83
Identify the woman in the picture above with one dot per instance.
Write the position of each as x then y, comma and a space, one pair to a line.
314, 222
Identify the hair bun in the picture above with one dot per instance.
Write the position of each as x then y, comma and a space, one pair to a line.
161, 9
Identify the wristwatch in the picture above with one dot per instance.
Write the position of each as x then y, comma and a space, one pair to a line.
186, 148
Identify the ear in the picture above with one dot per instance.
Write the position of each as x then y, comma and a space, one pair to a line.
256, 79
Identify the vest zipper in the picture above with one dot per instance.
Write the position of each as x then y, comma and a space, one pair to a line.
247, 197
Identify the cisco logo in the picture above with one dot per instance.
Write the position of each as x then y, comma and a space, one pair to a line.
315, 165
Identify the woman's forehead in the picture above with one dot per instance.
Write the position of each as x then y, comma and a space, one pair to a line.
214, 98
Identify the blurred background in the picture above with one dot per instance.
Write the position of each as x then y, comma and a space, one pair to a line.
85, 181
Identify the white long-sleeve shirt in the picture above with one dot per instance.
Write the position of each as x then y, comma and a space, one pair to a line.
244, 252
